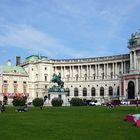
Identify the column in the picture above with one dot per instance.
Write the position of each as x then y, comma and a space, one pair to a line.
90, 72
96, 72
72, 72
131, 61
87, 72
122, 67
113, 70
136, 88
135, 60
107, 69
104, 71
116, 70
64, 73
81, 72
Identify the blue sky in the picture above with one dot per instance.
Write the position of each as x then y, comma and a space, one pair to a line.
66, 28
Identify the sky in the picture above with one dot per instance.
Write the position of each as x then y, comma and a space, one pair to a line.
66, 29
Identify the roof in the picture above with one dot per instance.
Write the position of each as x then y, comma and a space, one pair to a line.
9, 68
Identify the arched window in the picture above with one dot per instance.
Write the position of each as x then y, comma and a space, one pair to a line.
75, 91
101, 91
84, 91
93, 91
68, 91
110, 91
118, 91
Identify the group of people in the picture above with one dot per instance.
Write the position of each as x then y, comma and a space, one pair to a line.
24, 109
2, 108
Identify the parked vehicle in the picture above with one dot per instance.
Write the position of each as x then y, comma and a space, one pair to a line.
95, 103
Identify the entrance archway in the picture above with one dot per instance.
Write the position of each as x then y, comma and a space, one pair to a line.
131, 90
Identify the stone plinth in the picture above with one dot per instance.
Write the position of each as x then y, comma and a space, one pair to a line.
62, 95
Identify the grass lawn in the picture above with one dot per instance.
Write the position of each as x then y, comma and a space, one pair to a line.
68, 123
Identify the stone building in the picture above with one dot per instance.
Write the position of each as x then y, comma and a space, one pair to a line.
87, 78
14, 82
100, 77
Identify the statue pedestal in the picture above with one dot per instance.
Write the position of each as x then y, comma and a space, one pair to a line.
62, 95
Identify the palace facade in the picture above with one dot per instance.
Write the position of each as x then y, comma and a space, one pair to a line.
87, 78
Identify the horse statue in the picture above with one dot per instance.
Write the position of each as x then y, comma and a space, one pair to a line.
57, 79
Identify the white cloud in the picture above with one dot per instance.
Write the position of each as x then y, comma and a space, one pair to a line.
31, 39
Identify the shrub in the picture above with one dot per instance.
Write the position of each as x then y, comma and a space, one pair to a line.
76, 102
38, 102
57, 102
19, 101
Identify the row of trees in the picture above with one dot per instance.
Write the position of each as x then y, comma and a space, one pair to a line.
39, 102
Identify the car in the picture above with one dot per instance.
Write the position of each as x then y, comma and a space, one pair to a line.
125, 102
95, 103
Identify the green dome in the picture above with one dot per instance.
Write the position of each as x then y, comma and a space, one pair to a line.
9, 68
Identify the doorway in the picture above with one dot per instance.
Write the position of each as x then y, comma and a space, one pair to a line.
131, 90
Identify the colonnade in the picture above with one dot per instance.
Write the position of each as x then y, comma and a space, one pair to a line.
96, 71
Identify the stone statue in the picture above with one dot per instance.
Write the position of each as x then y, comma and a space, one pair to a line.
57, 79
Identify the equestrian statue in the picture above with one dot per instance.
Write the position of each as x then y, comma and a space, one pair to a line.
57, 79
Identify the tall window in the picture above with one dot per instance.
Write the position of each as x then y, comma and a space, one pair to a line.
102, 75
45, 77
15, 89
76, 76
24, 89
5, 89
93, 91
110, 90
118, 91
68, 91
101, 91
68, 77
75, 91
84, 91
85, 77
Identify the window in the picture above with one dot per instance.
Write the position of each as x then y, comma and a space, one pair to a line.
5, 89
5, 81
102, 75
59, 96
101, 91
36, 94
24, 82
94, 76
76, 76
110, 90
85, 76
111, 75
68, 91
93, 91
118, 91
68, 77
45, 68
36, 76
75, 91
24, 89
15, 82
84, 91
45, 77
15, 89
